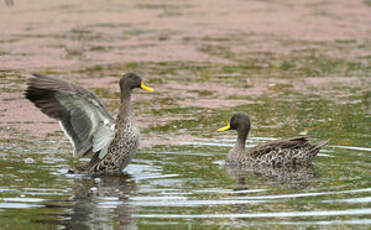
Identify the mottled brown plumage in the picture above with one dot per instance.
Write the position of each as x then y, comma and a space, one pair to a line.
292, 151
87, 124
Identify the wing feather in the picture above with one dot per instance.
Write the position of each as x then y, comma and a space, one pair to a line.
82, 115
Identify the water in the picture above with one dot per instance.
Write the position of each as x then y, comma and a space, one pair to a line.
184, 187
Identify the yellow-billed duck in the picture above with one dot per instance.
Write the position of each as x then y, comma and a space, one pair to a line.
292, 151
87, 124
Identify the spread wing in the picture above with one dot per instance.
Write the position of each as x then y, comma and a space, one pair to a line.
81, 114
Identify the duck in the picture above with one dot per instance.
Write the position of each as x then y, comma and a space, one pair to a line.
87, 124
285, 152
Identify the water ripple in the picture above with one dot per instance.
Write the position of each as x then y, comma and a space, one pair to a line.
259, 215
192, 203
302, 194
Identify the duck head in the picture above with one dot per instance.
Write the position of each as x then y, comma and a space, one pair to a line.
130, 81
239, 121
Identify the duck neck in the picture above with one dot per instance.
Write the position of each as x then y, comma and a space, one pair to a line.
125, 107
241, 139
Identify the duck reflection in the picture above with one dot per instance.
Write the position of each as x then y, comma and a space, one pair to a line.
295, 177
98, 203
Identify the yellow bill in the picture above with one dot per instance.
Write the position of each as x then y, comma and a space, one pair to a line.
228, 127
143, 86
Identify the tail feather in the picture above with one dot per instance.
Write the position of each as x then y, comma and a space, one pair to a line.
320, 144
316, 148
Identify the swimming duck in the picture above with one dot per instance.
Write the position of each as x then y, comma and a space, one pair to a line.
87, 124
293, 151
